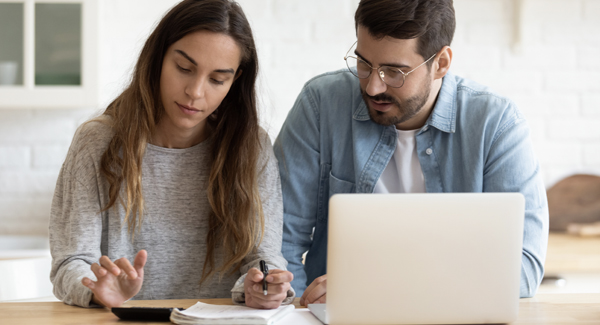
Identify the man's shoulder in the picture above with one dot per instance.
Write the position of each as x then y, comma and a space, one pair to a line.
477, 99
331, 93
472, 91
479, 109
340, 80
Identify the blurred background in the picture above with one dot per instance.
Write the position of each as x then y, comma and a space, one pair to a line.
63, 61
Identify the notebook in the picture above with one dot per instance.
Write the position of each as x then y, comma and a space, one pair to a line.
202, 313
452, 258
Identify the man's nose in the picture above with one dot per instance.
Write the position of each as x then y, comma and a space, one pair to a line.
376, 84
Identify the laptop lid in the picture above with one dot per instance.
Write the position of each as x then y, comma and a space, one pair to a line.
451, 258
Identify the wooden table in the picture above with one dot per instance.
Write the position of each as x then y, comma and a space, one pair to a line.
572, 265
542, 309
567, 253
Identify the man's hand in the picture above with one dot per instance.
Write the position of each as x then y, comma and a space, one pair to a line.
316, 293
278, 286
117, 281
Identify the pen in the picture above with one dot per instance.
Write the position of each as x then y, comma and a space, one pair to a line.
265, 270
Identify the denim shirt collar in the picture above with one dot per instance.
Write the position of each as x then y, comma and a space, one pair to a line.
443, 116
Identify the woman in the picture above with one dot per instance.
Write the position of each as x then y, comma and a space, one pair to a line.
175, 175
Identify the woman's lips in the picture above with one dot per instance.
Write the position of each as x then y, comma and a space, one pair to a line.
188, 109
381, 106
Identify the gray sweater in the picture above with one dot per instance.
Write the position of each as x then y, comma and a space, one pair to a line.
174, 227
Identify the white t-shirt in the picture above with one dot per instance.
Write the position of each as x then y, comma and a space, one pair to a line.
403, 173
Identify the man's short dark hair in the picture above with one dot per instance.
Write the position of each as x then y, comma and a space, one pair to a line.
431, 21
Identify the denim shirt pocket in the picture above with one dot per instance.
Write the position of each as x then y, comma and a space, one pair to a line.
330, 185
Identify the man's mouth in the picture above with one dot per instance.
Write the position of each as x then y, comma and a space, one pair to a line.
381, 106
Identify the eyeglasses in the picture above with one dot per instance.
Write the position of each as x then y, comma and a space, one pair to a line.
391, 76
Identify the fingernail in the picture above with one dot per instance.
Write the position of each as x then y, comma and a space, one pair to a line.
133, 275
102, 272
269, 279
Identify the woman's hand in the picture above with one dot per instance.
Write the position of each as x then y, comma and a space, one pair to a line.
278, 286
118, 281
316, 293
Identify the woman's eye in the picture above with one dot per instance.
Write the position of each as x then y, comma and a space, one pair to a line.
183, 69
218, 82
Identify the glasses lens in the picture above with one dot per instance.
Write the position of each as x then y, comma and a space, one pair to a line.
393, 77
358, 67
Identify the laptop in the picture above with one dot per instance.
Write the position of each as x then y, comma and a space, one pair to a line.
448, 258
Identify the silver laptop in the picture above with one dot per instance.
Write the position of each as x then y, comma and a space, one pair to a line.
451, 258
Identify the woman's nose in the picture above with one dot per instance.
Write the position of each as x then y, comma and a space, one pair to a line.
195, 89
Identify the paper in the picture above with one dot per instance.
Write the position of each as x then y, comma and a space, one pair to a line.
202, 310
202, 313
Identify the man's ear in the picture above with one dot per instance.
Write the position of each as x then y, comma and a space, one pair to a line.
442, 62
237, 74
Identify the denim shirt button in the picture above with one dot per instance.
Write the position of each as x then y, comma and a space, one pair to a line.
429, 151
425, 128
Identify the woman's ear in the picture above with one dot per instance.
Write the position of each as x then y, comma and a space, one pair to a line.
443, 62
237, 74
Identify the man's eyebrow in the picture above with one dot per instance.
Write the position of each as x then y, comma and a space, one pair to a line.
196, 64
394, 65
187, 57
361, 57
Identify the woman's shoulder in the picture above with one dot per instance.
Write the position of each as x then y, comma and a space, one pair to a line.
265, 145
266, 159
92, 137
263, 137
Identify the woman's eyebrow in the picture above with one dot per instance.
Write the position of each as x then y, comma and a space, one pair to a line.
187, 57
196, 64
225, 71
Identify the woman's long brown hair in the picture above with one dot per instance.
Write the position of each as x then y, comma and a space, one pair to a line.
236, 221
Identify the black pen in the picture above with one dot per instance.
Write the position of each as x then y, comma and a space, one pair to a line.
265, 270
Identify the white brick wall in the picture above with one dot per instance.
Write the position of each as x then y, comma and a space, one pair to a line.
553, 76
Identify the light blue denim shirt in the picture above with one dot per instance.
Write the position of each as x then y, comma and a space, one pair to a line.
473, 141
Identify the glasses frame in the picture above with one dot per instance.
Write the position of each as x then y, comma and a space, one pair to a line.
380, 73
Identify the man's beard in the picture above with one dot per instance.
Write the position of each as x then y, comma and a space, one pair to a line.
403, 112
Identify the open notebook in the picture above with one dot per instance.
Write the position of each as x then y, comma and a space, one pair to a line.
202, 313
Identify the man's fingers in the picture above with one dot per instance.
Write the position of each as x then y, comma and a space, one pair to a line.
321, 300
319, 290
312, 300
106, 263
310, 288
280, 276
126, 266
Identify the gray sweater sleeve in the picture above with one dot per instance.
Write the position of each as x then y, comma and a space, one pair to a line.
75, 227
269, 250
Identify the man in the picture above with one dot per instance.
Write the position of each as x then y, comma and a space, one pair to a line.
397, 121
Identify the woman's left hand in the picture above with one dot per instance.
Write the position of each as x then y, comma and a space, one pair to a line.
278, 286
